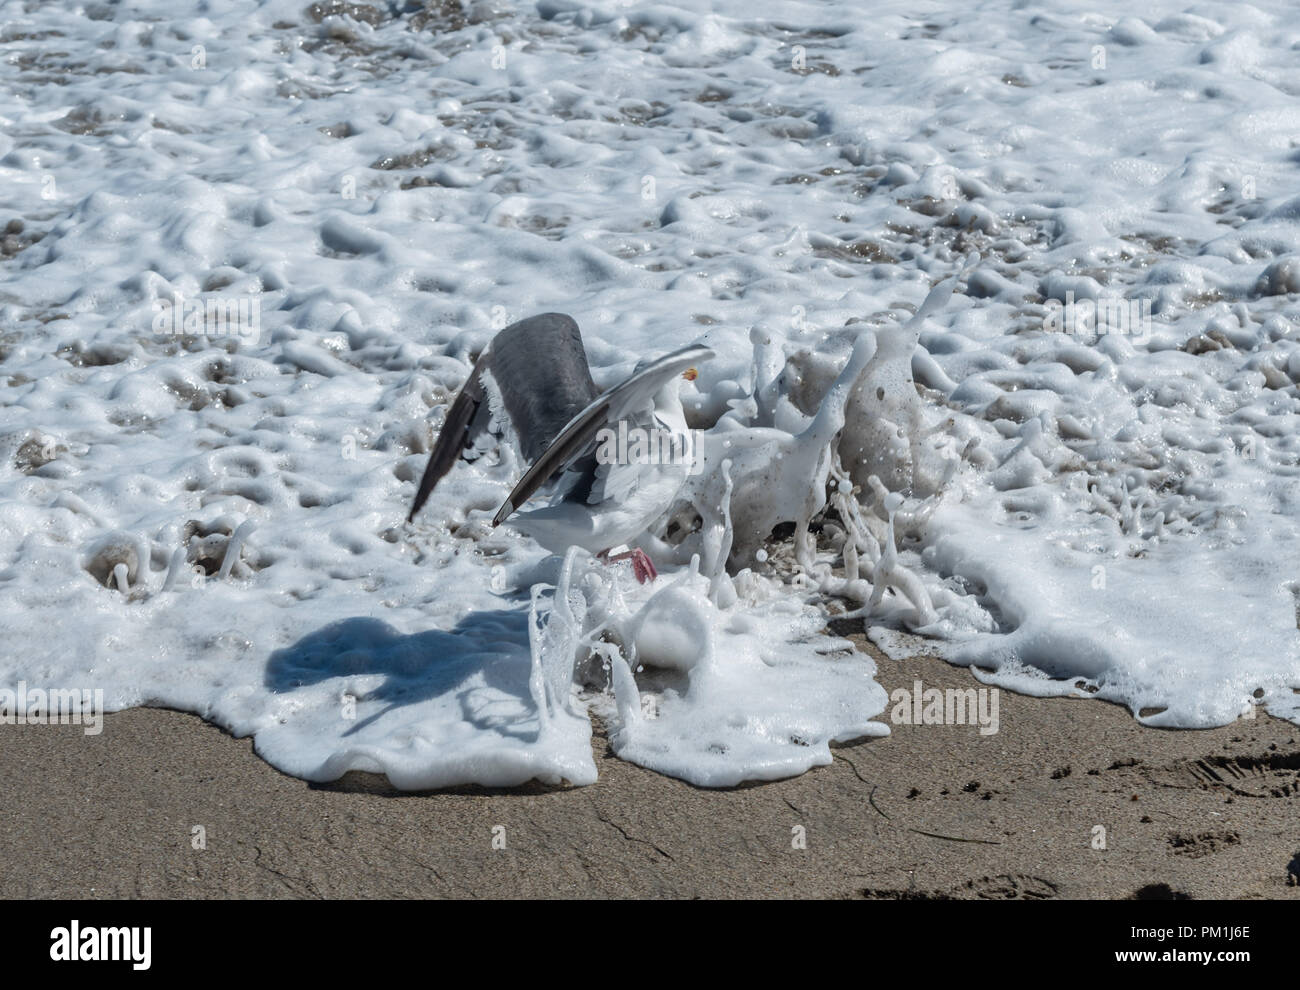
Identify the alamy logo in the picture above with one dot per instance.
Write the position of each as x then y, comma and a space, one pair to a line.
77, 944
953, 706
636, 445
214, 317
1110, 314
55, 706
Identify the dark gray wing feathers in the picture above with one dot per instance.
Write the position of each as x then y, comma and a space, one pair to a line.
540, 369
457, 432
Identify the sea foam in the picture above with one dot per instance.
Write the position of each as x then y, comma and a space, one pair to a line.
214, 522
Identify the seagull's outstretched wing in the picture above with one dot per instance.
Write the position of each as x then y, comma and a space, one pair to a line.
614, 405
538, 370
459, 431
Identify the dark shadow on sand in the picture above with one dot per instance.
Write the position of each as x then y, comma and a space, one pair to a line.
415, 667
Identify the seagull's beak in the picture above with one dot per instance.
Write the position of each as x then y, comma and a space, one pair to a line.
690, 374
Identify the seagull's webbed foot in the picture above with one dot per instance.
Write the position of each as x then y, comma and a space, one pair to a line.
642, 566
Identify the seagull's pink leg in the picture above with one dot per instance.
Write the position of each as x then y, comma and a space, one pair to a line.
642, 566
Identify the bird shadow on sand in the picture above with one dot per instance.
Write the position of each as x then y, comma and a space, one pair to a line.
492, 644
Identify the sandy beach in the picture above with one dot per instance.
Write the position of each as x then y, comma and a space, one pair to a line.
993, 324
932, 811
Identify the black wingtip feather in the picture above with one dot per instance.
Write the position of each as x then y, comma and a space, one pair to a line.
453, 436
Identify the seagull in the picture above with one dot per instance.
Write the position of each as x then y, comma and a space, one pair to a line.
533, 380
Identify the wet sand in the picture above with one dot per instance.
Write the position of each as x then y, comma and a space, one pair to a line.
932, 811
